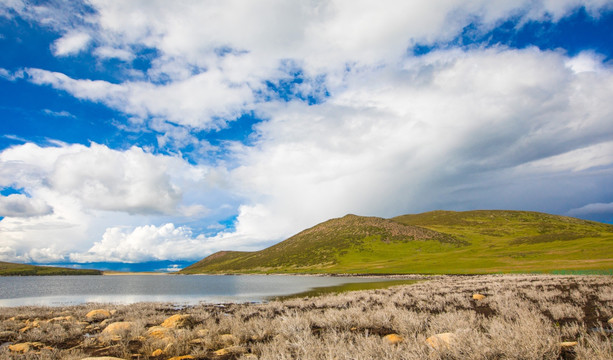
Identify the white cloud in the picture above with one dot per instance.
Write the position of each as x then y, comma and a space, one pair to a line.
19, 205
596, 208
71, 43
144, 243
94, 188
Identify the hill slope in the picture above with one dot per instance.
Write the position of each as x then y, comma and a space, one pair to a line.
12, 269
483, 241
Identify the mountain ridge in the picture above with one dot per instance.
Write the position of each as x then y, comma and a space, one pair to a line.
479, 241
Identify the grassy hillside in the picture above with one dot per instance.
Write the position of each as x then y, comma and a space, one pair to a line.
11, 269
485, 241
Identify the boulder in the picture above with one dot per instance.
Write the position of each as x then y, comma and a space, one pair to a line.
118, 328
440, 341
393, 339
26, 347
98, 315
178, 322
159, 332
478, 297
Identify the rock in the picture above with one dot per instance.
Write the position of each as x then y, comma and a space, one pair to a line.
182, 357
478, 297
178, 322
118, 328
228, 339
222, 352
393, 339
157, 352
159, 332
26, 347
98, 315
442, 340
202, 332
197, 342
567, 345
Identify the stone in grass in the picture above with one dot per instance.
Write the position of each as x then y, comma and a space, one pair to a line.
478, 296
178, 321
567, 345
98, 315
157, 352
441, 341
26, 347
393, 339
159, 332
118, 328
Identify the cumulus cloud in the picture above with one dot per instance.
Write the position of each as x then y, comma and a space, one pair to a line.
71, 44
132, 181
144, 243
19, 205
94, 188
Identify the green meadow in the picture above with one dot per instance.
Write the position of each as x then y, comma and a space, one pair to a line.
439, 242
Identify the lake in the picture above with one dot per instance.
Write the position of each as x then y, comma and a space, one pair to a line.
126, 289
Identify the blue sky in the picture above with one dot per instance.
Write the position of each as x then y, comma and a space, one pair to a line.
142, 133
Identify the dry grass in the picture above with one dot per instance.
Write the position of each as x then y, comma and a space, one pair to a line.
522, 317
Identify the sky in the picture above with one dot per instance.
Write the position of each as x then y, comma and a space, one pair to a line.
157, 132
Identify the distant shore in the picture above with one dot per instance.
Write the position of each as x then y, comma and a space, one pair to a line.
119, 273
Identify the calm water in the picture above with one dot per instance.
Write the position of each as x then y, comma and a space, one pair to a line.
125, 289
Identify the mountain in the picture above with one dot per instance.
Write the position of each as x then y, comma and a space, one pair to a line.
9, 269
444, 242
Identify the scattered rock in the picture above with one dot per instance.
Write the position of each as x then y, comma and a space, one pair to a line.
118, 328
478, 297
159, 332
178, 322
98, 315
26, 347
393, 339
442, 340
157, 352
221, 352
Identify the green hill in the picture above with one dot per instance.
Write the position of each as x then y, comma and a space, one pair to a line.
447, 242
11, 269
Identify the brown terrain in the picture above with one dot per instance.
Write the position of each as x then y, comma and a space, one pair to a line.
446, 317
